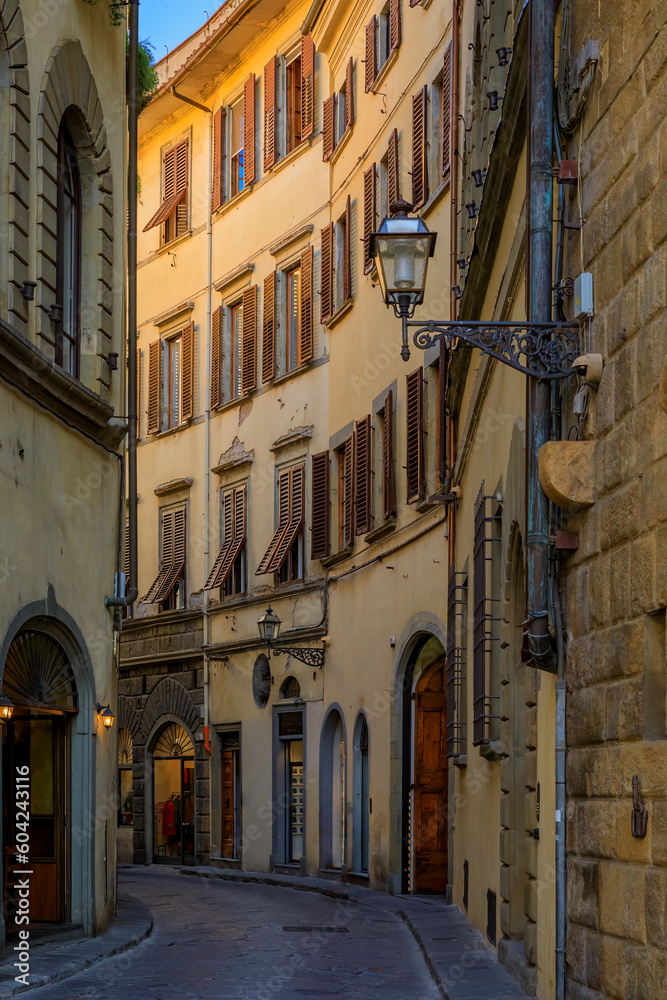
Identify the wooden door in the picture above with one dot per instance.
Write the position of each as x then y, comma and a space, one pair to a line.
430, 846
228, 768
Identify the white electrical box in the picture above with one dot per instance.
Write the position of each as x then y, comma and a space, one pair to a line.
583, 295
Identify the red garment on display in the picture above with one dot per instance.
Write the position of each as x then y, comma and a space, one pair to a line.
168, 825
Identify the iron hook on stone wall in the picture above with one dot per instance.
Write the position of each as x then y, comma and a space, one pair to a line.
639, 811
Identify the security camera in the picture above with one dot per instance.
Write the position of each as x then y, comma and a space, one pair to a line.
589, 366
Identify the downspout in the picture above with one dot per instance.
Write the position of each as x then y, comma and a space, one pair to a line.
207, 415
453, 157
312, 16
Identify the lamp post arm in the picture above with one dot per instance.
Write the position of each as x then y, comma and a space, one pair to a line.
313, 657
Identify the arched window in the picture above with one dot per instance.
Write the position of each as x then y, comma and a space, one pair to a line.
125, 791
290, 688
68, 255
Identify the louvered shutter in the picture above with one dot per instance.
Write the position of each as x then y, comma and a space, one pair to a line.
326, 272
362, 477
270, 113
320, 506
284, 484
349, 93
187, 372
419, 162
234, 536
347, 252
414, 3
446, 110
307, 334
154, 386
415, 435
126, 556
370, 67
393, 189
218, 158
269, 329
170, 173
182, 185
328, 135
394, 24
369, 216
348, 475
443, 471
227, 539
173, 556
296, 505
307, 86
388, 470
138, 396
249, 131
249, 340
216, 356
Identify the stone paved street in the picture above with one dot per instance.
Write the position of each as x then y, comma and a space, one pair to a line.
218, 940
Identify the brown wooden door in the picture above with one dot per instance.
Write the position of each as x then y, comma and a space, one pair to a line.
431, 781
228, 762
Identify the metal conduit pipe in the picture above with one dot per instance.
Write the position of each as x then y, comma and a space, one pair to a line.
311, 16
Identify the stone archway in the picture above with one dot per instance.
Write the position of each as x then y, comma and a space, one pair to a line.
333, 791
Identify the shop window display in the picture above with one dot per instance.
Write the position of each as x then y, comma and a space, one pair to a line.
174, 796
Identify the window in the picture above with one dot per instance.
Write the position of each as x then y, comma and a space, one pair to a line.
296, 345
415, 435
457, 665
293, 319
345, 480
342, 277
234, 145
172, 356
289, 84
327, 272
172, 214
388, 478
68, 250
168, 587
293, 103
229, 569
125, 796
338, 113
237, 132
439, 125
170, 380
284, 555
236, 351
486, 618
234, 348
383, 36
290, 824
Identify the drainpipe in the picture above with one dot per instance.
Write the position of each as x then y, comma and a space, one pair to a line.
453, 159
311, 16
207, 416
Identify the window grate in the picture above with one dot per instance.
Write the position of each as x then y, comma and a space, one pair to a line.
485, 617
457, 603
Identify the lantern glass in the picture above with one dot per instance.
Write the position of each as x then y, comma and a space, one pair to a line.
401, 248
107, 718
269, 626
6, 708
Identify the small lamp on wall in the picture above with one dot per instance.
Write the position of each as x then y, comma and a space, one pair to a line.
6, 708
106, 715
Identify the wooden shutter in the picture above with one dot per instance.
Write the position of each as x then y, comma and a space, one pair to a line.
283, 522
415, 435
414, 3
320, 506
446, 110
349, 93
369, 216
154, 386
326, 272
393, 188
218, 158
234, 527
394, 24
170, 173
347, 252
216, 356
269, 329
328, 134
270, 114
249, 340
181, 219
306, 332
348, 476
388, 469
419, 160
371, 67
188, 337
172, 565
138, 396
249, 131
443, 365
307, 86
296, 512
362, 477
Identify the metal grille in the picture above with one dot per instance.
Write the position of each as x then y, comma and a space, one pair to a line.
174, 742
124, 746
457, 602
491, 916
485, 619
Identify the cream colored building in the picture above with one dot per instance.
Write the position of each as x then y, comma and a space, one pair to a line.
62, 279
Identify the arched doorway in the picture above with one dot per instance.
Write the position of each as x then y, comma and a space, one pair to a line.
333, 809
361, 796
36, 754
173, 796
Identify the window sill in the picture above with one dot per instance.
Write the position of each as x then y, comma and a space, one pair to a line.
291, 156
382, 530
166, 247
229, 404
295, 372
338, 557
424, 506
380, 78
342, 311
345, 138
232, 203
491, 750
171, 430
461, 760
435, 198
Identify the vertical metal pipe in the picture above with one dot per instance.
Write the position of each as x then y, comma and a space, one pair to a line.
453, 159
133, 10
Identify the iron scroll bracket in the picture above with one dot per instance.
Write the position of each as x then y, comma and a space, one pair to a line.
313, 657
542, 350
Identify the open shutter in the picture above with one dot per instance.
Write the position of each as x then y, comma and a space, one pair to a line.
249, 340
446, 112
216, 356
320, 506
270, 112
227, 539
419, 162
182, 185
362, 477
249, 131
328, 135
167, 556
307, 86
348, 475
369, 216
394, 24
218, 158
371, 66
349, 93
295, 522
284, 482
138, 396
172, 565
171, 195
234, 525
388, 470
393, 188
415, 435
269, 329
307, 345
326, 269
188, 337
170, 173
154, 386
443, 365
347, 252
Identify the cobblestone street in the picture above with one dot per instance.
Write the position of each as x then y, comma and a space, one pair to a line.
217, 939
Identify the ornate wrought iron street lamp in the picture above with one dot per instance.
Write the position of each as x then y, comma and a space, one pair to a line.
402, 247
269, 629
